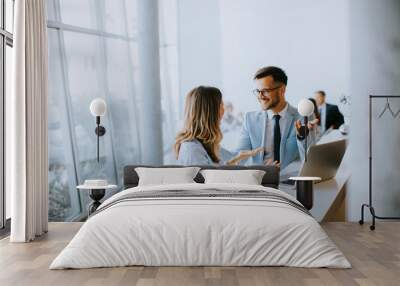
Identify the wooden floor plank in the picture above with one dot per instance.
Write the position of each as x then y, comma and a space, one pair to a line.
374, 255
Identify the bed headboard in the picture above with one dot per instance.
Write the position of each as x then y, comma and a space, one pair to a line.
270, 179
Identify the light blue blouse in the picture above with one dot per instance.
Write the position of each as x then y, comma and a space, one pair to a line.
193, 153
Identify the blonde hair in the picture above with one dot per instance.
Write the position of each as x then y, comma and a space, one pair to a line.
202, 122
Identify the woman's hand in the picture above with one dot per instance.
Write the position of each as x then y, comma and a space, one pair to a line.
245, 154
313, 123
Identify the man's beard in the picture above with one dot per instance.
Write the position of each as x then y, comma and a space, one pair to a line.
274, 103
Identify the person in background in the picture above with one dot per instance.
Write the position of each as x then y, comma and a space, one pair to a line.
331, 118
316, 122
199, 141
230, 121
276, 127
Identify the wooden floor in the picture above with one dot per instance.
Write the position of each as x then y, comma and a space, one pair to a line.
375, 257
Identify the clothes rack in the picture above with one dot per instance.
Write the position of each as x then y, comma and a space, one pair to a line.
370, 202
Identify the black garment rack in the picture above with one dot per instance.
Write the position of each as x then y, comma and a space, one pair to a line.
369, 205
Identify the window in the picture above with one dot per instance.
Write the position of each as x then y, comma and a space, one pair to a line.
6, 43
91, 50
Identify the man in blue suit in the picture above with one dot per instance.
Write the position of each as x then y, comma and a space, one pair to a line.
277, 126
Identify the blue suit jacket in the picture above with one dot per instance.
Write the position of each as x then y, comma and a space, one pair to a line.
253, 136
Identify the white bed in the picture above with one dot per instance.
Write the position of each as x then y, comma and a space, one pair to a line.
202, 231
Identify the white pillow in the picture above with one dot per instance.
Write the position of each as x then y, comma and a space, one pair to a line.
165, 176
248, 177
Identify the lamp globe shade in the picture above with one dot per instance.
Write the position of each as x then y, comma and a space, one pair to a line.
98, 107
305, 107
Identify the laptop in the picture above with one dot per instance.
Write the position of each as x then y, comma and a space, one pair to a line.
323, 160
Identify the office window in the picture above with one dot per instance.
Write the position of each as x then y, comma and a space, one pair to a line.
79, 67
93, 52
169, 72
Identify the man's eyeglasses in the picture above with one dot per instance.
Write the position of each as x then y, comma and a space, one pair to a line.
265, 91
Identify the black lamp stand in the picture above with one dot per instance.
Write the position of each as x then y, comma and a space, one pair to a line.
96, 195
304, 131
100, 131
305, 137
304, 188
305, 193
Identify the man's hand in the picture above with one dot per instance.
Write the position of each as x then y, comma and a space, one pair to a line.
300, 129
298, 126
270, 162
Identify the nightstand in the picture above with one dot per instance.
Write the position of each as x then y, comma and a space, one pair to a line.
304, 190
96, 193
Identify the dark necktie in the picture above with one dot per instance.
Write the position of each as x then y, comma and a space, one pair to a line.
277, 138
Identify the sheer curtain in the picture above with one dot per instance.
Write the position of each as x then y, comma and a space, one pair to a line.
27, 124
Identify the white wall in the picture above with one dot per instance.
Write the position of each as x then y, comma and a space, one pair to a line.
375, 69
224, 42
308, 39
199, 45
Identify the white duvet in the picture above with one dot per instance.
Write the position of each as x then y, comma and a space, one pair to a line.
200, 231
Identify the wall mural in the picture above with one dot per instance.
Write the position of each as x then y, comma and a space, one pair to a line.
199, 97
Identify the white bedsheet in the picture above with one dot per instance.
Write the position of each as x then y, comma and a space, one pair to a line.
223, 232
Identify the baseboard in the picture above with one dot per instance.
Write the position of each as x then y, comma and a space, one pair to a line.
5, 231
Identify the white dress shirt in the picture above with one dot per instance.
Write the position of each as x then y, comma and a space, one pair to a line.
269, 132
322, 112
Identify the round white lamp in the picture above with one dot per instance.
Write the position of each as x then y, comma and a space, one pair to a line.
98, 107
305, 108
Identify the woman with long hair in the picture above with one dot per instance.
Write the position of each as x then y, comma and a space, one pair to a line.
199, 141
